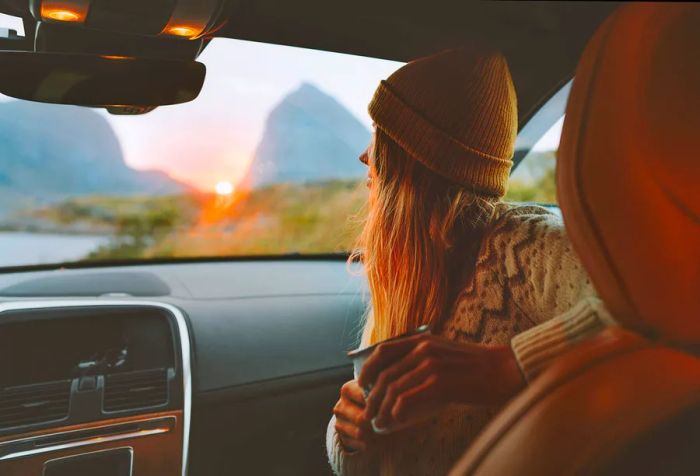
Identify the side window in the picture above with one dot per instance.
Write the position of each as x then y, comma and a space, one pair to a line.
533, 180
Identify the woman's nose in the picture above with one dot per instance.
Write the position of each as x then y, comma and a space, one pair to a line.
364, 158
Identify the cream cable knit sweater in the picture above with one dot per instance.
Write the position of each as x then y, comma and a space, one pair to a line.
529, 287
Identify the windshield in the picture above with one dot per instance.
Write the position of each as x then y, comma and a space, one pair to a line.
264, 162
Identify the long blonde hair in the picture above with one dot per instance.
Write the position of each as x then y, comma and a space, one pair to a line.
420, 238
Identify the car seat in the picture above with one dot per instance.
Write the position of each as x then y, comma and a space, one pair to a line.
628, 400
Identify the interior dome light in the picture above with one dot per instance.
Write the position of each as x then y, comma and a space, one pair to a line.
68, 11
185, 31
61, 15
185, 19
192, 19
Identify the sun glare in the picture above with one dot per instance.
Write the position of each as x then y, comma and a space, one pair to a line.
224, 188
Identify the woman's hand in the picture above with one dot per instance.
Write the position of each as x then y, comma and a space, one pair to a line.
351, 423
412, 377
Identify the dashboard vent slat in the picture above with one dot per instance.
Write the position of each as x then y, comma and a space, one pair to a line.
27, 397
31, 404
22, 408
135, 390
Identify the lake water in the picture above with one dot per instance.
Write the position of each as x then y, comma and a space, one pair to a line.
18, 248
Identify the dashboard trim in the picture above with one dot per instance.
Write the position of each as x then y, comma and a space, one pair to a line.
89, 440
129, 448
183, 333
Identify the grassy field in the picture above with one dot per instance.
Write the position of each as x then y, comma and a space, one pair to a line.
534, 180
279, 219
543, 190
315, 218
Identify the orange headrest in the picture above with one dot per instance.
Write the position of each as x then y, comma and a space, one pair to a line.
629, 167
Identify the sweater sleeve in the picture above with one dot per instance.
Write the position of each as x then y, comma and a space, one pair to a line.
349, 464
537, 347
342, 462
552, 291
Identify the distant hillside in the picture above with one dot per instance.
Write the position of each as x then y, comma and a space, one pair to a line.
534, 179
308, 137
49, 152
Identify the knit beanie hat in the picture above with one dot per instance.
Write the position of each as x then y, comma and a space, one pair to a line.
456, 113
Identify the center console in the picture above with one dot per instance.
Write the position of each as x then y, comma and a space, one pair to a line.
93, 387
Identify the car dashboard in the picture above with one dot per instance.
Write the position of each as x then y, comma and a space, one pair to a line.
183, 368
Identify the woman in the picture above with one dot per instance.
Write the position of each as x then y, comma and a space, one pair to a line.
441, 248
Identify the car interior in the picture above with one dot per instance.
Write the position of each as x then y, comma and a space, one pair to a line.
161, 350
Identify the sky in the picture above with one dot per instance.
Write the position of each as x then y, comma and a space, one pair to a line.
213, 138
550, 140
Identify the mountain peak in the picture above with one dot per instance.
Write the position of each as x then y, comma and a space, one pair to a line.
50, 152
310, 97
308, 87
309, 137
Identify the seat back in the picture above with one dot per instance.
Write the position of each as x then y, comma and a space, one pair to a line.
629, 165
598, 412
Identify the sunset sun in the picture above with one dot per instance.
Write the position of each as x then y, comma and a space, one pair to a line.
224, 188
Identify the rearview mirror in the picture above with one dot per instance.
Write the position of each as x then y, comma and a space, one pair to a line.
99, 81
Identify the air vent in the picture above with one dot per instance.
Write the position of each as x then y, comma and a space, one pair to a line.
133, 390
31, 404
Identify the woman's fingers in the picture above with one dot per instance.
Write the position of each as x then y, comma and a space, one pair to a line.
351, 424
348, 411
387, 377
384, 355
351, 437
352, 391
350, 428
396, 389
416, 401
